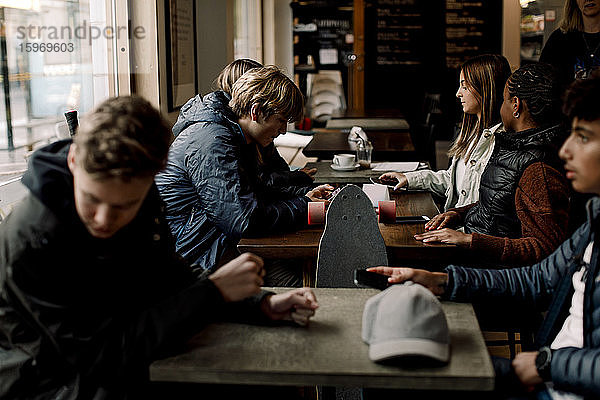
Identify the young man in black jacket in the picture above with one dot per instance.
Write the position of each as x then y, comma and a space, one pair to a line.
566, 283
91, 289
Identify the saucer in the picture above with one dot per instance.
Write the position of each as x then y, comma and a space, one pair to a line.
350, 168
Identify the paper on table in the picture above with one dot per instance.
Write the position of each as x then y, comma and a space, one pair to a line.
292, 140
376, 193
395, 166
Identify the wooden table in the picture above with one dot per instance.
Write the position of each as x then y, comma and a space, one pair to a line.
387, 145
368, 123
326, 174
399, 238
329, 352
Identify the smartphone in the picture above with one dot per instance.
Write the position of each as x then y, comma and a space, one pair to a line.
412, 219
364, 278
386, 182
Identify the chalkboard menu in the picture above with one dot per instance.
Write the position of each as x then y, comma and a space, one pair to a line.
415, 47
403, 50
399, 30
471, 29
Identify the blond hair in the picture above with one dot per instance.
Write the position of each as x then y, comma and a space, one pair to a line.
572, 19
124, 137
485, 76
271, 91
233, 71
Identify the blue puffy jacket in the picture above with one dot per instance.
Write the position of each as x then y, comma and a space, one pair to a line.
548, 285
212, 186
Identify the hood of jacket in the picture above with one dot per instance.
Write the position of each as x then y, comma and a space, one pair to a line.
214, 107
49, 179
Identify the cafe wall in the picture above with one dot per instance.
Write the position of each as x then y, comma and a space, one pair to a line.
214, 22
213, 27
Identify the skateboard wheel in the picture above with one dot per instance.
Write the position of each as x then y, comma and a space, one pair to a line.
387, 211
316, 213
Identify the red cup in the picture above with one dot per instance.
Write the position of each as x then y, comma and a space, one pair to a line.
316, 213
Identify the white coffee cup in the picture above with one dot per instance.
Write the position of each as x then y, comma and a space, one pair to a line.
344, 160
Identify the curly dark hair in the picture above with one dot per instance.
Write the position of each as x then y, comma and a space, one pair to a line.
537, 85
581, 98
123, 137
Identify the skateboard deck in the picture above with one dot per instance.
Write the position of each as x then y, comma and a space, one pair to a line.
351, 239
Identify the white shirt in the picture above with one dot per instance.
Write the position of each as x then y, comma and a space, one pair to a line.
571, 333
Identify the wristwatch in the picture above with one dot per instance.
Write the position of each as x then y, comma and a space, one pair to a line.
543, 361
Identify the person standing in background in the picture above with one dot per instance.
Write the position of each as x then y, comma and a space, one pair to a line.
574, 48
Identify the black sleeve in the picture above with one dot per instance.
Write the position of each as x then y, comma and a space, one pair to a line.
248, 310
163, 329
551, 50
165, 326
285, 192
277, 216
558, 52
284, 178
275, 172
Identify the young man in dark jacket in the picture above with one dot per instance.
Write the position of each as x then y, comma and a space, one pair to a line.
211, 184
91, 290
567, 282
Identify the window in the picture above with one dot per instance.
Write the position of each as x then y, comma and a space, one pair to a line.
248, 30
57, 54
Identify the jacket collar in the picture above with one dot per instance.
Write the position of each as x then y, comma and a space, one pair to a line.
494, 130
593, 209
547, 135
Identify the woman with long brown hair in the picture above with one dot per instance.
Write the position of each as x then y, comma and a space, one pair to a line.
481, 81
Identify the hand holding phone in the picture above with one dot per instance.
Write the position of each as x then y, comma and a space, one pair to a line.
396, 180
391, 183
364, 278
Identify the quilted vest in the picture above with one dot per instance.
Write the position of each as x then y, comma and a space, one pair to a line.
495, 213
